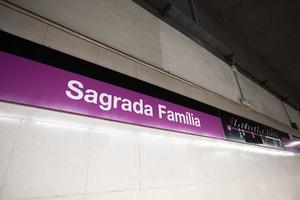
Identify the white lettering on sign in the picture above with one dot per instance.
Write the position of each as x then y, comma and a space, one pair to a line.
187, 118
107, 102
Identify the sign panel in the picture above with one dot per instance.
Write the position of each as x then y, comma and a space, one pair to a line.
243, 130
31, 83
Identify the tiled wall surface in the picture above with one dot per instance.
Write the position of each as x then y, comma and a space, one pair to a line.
51, 155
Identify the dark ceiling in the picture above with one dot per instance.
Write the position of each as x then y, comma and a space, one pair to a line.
263, 36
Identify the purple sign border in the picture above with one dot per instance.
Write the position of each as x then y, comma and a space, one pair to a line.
31, 83
28, 82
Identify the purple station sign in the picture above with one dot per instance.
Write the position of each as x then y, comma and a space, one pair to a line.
31, 83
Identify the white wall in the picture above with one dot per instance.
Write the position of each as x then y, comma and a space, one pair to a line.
51, 155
